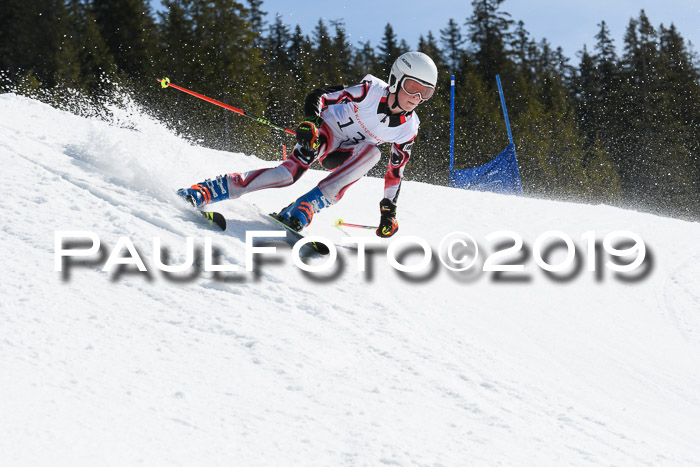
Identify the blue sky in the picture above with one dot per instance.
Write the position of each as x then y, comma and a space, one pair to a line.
565, 23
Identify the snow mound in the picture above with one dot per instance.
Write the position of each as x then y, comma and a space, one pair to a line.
346, 367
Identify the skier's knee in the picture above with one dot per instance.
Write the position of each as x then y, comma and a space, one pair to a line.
295, 168
334, 160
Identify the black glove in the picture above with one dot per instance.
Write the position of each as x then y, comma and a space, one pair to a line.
388, 225
307, 132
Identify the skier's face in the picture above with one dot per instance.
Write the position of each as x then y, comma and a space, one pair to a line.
406, 101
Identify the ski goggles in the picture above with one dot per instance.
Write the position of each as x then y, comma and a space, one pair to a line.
413, 87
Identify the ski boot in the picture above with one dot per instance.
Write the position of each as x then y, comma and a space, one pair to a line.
206, 192
300, 213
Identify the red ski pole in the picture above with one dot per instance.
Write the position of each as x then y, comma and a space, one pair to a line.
165, 83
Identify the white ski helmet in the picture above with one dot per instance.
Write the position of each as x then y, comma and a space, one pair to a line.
416, 65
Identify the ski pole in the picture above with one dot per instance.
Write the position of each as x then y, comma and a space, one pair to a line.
165, 83
342, 223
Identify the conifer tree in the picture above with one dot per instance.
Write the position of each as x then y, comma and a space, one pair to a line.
432, 144
544, 60
34, 43
94, 61
389, 49
301, 58
256, 18
429, 46
344, 54
226, 65
365, 60
654, 161
605, 98
452, 45
587, 89
281, 101
521, 51
325, 64
553, 160
276, 55
127, 27
176, 39
489, 33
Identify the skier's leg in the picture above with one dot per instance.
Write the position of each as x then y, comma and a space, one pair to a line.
335, 159
364, 157
332, 188
284, 174
234, 185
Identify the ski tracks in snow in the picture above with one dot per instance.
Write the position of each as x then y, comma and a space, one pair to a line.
681, 295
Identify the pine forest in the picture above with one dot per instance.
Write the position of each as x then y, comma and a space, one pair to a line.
618, 124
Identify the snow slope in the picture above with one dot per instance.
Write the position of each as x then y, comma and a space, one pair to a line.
280, 367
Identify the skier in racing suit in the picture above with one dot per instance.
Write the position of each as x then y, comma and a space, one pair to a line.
342, 129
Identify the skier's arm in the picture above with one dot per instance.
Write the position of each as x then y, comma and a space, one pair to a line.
317, 102
312, 104
400, 154
308, 130
321, 98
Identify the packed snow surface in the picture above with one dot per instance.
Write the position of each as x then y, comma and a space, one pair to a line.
342, 367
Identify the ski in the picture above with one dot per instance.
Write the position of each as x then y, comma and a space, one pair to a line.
214, 218
217, 219
318, 247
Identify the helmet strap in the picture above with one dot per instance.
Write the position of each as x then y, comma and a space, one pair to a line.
395, 104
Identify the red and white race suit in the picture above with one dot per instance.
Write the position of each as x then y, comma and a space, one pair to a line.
355, 120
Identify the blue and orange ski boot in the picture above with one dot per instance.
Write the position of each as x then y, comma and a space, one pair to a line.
300, 213
206, 192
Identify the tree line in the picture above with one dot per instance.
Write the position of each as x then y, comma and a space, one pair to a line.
620, 126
